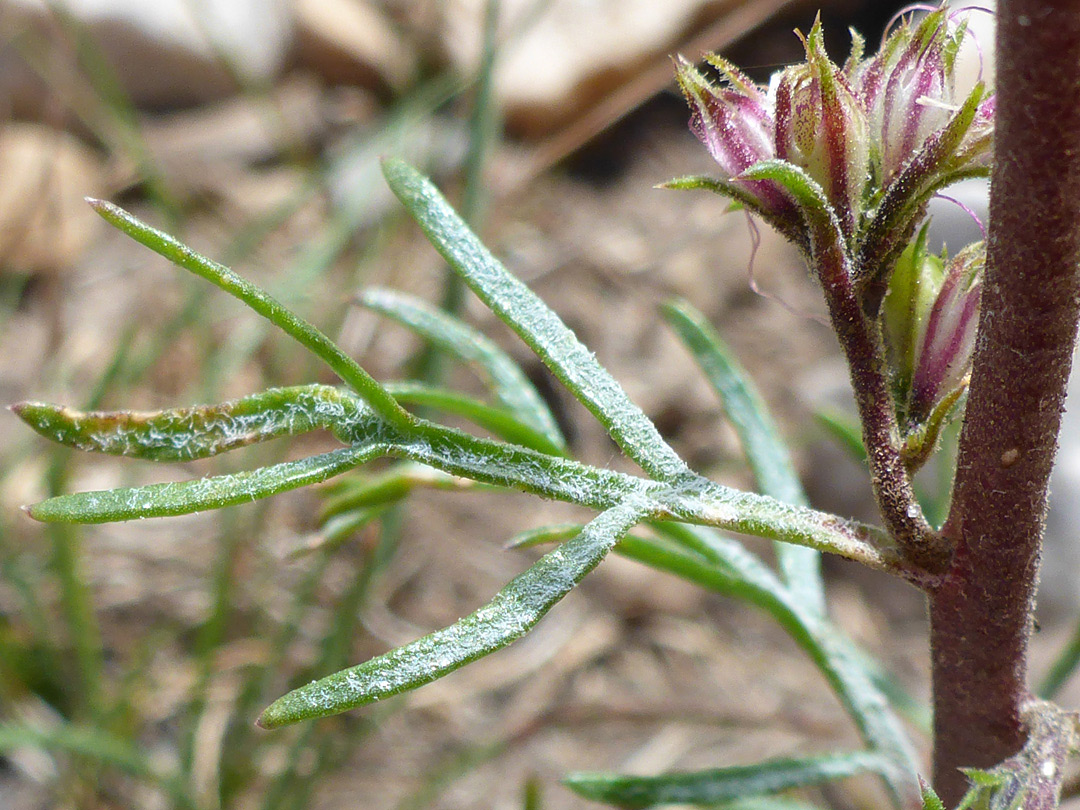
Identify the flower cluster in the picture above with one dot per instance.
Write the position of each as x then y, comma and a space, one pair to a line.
842, 160
876, 136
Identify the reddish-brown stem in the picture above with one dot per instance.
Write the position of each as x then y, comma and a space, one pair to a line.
865, 354
981, 612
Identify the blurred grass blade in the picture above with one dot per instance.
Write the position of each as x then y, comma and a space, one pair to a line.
720, 784
509, 615
388, 488
454, 337
1063, 668
507, 426
182, 498
335, 531
185, 434
761, 441
915, 711
767, 803
535, 323
101, 747
263, 303
844, 430
555, 533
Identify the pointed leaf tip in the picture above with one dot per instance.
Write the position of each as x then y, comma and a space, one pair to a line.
510, 614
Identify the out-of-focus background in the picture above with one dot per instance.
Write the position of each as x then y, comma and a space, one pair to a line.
252, 129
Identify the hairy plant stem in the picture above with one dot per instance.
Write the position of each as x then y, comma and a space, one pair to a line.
981, 612
865, 354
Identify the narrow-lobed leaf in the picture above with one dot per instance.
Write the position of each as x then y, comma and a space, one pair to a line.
185, 434
509, 615
721, 784
727, 567
504, 424
454, 337
700, 501
263, 303
489, 462
765, 451
185, 497
535, 323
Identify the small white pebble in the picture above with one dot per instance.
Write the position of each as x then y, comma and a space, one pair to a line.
1049, 769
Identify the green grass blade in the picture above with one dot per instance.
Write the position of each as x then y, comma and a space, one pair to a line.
767, 803
510, 614
765, 451
335, 531
99, 746
721, 784
388, 488
845, 431
182, 498
1063, 668
264, 304
454, 337
507, 426
555, 533
184, 434
535, 323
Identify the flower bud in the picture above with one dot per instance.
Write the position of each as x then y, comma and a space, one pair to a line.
909, 91
913, 287
821, 127
948, 337
735, 124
